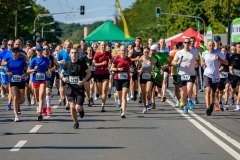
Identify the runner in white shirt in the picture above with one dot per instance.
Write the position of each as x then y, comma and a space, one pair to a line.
211, 61
186, 61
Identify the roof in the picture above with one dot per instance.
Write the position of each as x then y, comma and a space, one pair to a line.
108, 32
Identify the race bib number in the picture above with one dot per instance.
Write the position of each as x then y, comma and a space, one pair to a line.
123, 76
93, 68
223, 74
49, 74
185, 77
146, 76
73, 79
40, 76
237, 72
16, 78
215, 80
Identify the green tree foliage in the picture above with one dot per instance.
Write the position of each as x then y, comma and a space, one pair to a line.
142, 21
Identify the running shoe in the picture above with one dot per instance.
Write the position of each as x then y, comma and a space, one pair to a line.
196, 101
208, 112
64, 101
19, 111
163, 99
153, 106
221, 107
16, 119
144, 110
132, 97
237, 108
33, 102
29, 102
191, 104
177, 104
103, 110
44, 112
119, 105
92, 102
217, 107
128, 97
76, 125
225, 107
49, 111
123, 115
140, 98
81, 113
181, 105
109, 95
9, 106
89, 103
150, 106
97, 95
40, 117
185, 110
233, 101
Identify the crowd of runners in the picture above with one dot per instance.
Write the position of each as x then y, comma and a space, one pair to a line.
137, 72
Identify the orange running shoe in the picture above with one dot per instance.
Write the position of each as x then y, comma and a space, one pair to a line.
217, 107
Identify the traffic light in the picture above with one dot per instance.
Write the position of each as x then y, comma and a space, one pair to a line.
158, 11
82, 10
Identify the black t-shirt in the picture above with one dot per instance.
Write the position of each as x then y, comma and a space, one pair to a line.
235, 61
76, 69
136, 54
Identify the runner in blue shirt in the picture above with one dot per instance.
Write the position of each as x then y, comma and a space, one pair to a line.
63, 57
38, 66
16, 68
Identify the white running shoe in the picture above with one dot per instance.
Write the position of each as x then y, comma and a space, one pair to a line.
225, 107
16, 119
128, 97
144, 110
237, 108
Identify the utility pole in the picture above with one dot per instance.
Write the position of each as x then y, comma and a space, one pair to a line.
229, 23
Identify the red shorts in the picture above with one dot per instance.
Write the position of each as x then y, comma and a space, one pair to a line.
37, 84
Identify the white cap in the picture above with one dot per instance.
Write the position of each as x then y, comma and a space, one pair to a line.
154, 47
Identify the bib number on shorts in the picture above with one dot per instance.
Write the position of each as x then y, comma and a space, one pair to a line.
73, 79
215, 80
16, 78
49, 74
146, 76
93, 68
237, 72
40, 76
185, 77
223, 74
123, 76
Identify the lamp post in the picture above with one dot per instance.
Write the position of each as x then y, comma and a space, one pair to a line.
16, 20
44, 26
229, 23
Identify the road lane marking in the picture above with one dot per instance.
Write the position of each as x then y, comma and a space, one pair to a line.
35, 129
46, 117
220, 143
209, 125
55, 107
18, 146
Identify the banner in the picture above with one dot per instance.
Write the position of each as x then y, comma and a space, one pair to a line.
209, 35
235, 30
127, 35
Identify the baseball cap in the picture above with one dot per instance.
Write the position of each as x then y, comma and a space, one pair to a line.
5, 39
15, 49
217, 38
233, 44
154, 47
39, 48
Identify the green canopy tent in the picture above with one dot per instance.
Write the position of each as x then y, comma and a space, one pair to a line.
108, 32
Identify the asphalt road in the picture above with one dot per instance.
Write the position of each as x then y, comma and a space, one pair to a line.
162, 134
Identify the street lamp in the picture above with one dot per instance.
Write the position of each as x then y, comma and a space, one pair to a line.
46, 25
16, 19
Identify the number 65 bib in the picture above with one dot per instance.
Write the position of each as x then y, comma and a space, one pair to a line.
40, 76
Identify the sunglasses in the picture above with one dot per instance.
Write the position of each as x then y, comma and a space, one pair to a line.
186, 42
10, 44
45, 49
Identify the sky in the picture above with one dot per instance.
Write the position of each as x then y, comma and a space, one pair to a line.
95, 10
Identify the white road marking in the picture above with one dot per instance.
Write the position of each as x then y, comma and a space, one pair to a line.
221, 144
55, 107
18, 146
219, 132
35, 129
